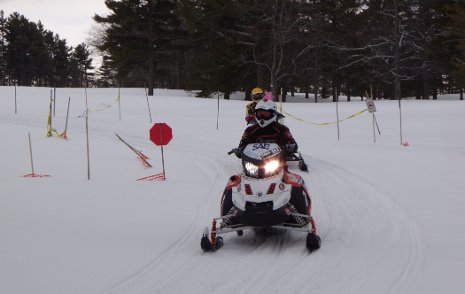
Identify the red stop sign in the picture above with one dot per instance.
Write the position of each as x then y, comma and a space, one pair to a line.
161, 134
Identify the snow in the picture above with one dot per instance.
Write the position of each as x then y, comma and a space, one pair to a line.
390, 216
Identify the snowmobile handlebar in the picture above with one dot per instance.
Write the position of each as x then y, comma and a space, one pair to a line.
236, 151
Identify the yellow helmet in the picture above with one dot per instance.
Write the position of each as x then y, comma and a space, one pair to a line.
257, 94
256, 91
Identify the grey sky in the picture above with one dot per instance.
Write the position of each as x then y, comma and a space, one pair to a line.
71, 19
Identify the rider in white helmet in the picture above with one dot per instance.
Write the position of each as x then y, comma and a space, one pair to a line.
267, 128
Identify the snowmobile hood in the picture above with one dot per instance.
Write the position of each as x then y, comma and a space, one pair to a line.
258, 152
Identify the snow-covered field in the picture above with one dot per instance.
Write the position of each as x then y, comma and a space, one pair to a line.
391, 217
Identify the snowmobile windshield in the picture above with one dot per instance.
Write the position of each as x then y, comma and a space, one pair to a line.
262, 160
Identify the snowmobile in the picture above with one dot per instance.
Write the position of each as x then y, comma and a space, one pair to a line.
264, 195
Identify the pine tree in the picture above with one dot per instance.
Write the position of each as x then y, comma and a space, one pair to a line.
3, 71
106, 75
457, 13
139, 34
81, 64
61, 62
215, 58
19, 52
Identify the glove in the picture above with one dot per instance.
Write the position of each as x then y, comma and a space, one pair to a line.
291, 148
237, 152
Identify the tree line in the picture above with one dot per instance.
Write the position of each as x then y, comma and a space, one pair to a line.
392, 48
32, 55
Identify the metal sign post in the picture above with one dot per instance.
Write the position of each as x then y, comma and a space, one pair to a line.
161, 134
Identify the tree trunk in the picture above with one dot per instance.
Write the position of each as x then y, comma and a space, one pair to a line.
227, 95
151, 76
178, 83
334, 94
435, 93
275, 89
397, 93
425, 88
248, 94
348, 92
461, 94
261, 79
284, 94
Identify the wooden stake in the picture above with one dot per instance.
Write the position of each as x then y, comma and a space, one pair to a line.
139, 153
374, 131
218, 112
67, 115
49, 119
87, 137
54, 99
64, 135
373, 115
119, 102
400, 121
16, 106
337, 115
30, 152
376, 122
148, 104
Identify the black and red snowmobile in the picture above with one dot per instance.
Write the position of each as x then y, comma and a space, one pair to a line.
265, 195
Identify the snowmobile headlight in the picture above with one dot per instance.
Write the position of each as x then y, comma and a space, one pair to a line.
251, 168
271, 166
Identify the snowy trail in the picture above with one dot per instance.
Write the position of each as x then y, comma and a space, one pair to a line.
384, 213
369, 231
359, 226
170, 261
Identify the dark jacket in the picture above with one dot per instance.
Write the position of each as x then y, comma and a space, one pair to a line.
274, 132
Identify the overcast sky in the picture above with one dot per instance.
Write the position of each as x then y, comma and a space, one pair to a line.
71, 19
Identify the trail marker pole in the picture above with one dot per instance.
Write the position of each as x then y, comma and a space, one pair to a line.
87, 136
49, 119
400, 121
148, 104
337, 114
218, 112
139, 154
16, 105
54, 99
64, 134
30, 152
119, 102
33, 174
376, 122
373, 112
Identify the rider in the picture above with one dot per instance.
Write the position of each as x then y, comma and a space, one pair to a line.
267, 128
257, 95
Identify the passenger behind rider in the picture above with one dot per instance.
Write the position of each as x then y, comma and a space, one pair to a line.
267, 129
257, 95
